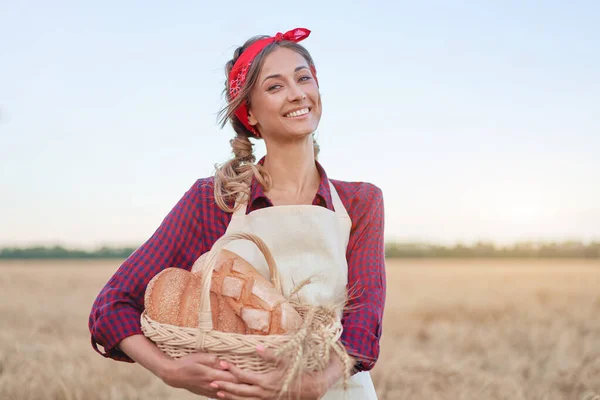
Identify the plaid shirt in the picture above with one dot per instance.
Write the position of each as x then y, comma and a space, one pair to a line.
196, 222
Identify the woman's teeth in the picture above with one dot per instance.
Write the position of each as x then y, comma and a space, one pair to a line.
297, 113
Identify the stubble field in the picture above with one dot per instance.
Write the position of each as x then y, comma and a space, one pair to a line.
453, 329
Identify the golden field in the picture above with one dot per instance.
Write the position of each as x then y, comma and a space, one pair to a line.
453, 329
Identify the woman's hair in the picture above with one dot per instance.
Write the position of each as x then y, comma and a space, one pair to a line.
232, 179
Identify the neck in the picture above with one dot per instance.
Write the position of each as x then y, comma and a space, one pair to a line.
292, 169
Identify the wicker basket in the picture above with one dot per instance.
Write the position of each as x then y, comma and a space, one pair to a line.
313, 343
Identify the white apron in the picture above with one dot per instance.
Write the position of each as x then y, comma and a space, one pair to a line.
305, 240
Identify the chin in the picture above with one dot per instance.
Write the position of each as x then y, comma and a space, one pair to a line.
303, 130
293, 130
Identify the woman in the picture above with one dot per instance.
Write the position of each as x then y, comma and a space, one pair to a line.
313, 225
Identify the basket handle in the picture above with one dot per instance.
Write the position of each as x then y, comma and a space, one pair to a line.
205, 314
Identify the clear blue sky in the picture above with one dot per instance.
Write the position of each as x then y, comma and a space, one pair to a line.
479, 120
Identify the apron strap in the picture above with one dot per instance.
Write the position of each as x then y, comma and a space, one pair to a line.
338, 206
240, 210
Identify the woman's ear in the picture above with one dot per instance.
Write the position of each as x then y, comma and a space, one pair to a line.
251, 119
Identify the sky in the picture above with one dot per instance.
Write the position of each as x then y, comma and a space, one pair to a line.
478, 120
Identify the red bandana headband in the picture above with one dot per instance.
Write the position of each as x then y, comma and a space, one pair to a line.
237, 76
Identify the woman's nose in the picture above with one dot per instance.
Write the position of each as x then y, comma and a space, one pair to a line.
296, 93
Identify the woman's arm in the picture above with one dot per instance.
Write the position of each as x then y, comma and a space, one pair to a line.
143, 351
362, 320
116, 312
115, 317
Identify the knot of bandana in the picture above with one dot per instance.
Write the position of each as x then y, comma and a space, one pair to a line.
237, 76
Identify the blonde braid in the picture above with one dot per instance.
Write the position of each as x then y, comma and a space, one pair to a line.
232, 179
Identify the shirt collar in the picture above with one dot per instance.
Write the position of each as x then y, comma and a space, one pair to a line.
257, 192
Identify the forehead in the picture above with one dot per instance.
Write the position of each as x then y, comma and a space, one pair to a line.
282, 61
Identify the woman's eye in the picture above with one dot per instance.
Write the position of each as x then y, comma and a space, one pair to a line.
273, 87
305, 78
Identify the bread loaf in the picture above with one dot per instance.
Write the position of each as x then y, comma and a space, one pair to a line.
242, 301
173, 297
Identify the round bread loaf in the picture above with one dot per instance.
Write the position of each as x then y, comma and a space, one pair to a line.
173, 297
242, 301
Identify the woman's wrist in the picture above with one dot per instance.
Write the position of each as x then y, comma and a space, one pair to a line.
163, 370
147, 354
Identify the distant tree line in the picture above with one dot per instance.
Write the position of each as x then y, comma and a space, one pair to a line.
59, 252
567, 249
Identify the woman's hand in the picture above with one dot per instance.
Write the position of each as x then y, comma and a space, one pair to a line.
195, 373
254, 386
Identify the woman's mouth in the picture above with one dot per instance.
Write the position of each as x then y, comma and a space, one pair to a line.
297, 113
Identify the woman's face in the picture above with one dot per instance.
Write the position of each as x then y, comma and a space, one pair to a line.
285, 101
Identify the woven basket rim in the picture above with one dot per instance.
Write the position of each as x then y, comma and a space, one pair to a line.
331, 327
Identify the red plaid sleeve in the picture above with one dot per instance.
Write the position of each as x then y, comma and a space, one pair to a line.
362, 320
116, 311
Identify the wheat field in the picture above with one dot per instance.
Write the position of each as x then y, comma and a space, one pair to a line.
453, 329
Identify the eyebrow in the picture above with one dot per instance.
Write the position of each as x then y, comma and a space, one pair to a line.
279, 75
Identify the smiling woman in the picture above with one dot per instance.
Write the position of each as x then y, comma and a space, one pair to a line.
315, 227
